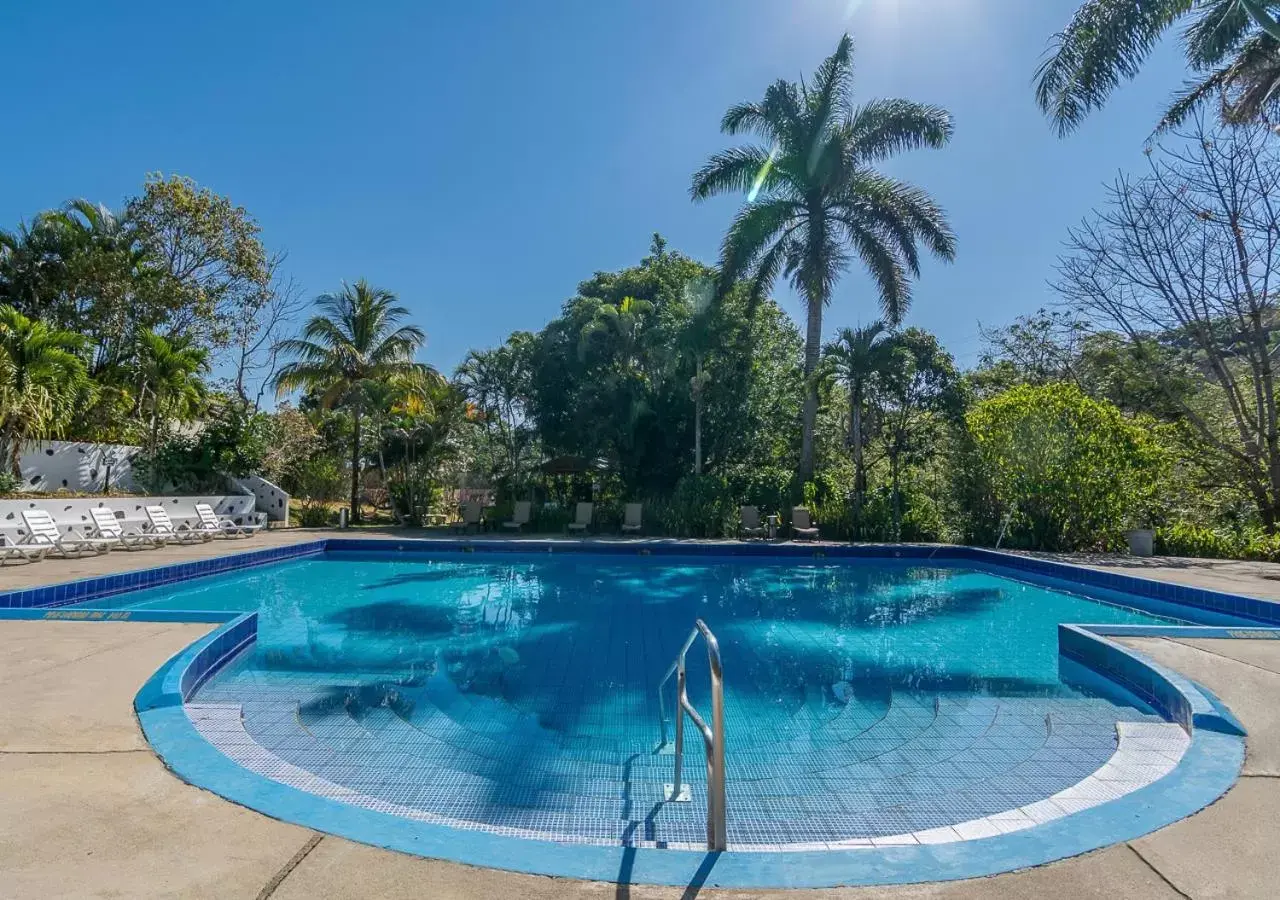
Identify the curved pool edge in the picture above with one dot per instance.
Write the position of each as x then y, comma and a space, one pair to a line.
1208, 769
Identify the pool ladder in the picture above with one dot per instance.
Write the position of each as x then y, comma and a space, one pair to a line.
712, 736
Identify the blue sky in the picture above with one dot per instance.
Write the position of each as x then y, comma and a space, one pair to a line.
482, 158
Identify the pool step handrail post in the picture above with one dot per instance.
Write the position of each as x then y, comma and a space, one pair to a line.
712, 736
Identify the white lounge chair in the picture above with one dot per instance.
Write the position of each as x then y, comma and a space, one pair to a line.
801, 525
162, 528
520, 516
750, 525
19, 551
222, 527
42, 531
632, 516
107, 528
471, 513
582, 517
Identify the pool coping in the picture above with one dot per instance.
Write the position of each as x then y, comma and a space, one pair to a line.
1208, 769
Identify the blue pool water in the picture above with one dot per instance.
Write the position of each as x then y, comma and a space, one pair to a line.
518, 693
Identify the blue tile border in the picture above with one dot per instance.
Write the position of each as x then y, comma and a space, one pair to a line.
1165, 598
1208, 769
75, 592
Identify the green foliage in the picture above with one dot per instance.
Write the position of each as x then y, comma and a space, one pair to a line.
1230, 44
702, 506
233, 443
314, 515
1191, 539
1073, 471
9, 483
42, 379
814, 202
353, 348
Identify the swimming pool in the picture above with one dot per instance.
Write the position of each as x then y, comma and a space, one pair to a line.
868, 703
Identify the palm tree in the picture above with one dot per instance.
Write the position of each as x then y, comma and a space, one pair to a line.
1237, 42
353, 344
42, 380
169, 382
857, 356
815, 201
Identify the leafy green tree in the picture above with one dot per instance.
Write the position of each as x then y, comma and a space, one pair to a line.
1073, 471
857, 357
498, 384
42, 380
169, 381
1233, 45
918, 390
814, 200
211, 269
356, 340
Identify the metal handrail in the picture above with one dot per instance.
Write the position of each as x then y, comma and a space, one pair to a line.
712, 736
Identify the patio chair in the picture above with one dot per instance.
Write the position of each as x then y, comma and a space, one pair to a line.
520, 516
631, 518
106, 527
582, 517
221, 526
750, 525
42, 531
19, 551
802, 527
162, 528
470, 517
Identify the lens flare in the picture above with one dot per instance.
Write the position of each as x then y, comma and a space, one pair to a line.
762, 175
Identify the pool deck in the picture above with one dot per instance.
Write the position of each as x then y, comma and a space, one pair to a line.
86, 809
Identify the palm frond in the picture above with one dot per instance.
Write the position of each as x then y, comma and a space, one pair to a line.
730, 171
884, 128
1105, 43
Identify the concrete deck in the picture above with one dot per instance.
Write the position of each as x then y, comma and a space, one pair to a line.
87, 811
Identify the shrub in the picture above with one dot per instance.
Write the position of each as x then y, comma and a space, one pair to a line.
9, 483
314, 515
1074, 470
1189, 539
701, 506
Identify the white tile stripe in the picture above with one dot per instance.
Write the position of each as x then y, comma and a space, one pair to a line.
1145, 752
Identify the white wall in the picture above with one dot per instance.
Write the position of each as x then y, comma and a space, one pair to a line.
271, 500
49, 466
74, 512
81, 468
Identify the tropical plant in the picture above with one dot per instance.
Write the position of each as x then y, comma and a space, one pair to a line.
1071, 471
857, 356
814, 200
1233, 45
42, 380
354, 342
169, 381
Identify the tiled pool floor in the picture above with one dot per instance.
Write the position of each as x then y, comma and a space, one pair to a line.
882, 765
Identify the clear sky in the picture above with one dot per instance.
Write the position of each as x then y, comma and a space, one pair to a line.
481, 158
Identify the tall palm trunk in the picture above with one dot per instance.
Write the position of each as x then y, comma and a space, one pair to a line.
859, 458
812, 352
355, 464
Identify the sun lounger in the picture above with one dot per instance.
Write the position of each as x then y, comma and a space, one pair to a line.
42, 531
582, 517
163, 529
750, 525
802, 526
106, 527
520, 516
221, 527
471, 513
632, 516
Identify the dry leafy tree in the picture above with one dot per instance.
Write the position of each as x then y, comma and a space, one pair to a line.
1183, 261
